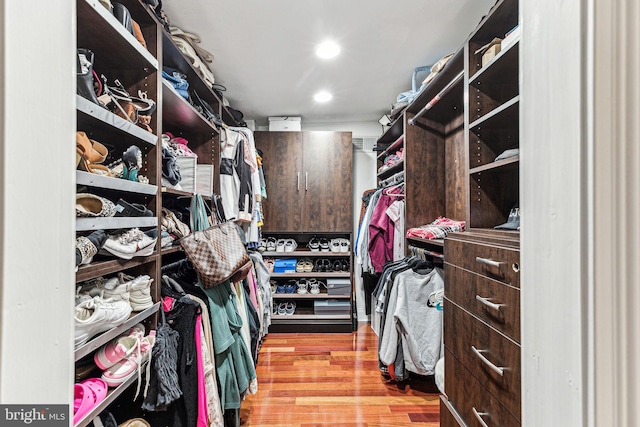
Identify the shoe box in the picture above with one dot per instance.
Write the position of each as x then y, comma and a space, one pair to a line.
339, 286
332, 307
284, 265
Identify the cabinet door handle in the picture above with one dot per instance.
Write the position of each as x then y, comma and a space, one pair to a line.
490, 262
488, 303
494, 368
298, 181
479, 416
306, 180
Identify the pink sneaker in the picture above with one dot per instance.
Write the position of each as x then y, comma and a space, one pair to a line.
119, 348
127, 367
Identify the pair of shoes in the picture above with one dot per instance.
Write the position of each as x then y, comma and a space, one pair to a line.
126, 209
290, 286
129, 244
87, 247
314, 244
286, 245
323, 265
286, 308
134, 291
90, 154
172, 225
119, 348
262, 245
271, 244
96, 315
87, 395
339, 245
324, 244
314, 288
303, 286
132, 364
341, 265
90, 205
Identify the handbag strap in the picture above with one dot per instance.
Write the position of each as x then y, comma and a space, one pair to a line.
199, 213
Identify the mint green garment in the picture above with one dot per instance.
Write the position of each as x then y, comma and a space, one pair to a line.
234, 364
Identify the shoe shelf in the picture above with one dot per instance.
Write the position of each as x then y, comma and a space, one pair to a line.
104, 338
398, 144
112, 395
178, 112
114, 223
505, 113
103, 268
171, 250
93, 115
500, 165
294, 296
395, 131
342, 274
296, 317
97, 25
505, 63
110, 183
304, 254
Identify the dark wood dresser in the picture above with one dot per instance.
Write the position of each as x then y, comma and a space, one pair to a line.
482, 330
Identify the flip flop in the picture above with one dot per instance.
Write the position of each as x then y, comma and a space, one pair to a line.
83, 401
98, 387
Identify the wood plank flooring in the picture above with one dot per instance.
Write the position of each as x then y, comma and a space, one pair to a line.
317, 380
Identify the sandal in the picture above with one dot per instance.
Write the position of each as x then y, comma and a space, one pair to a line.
83, 401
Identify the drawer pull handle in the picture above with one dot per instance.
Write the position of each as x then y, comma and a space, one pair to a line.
490, 262
479, 416
494, 368
298, 181
488, 303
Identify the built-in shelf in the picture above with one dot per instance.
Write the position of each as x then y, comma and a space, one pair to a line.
98, 341
102, 268
504, 115
392, 133
107, 118
505, 63
111, 183
305, 254
170, 250
500, 165
100, 26
115, 223
311, 274
391, 170
178, 112
322, 296
295, 317
434, 242
393, 147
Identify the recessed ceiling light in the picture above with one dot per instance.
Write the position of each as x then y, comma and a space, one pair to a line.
327, 50
322, 96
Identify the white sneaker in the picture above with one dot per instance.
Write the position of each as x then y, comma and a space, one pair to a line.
139, 291
335, 245
280, 245
290, 245
132, 243
97, 315
110, 289
344, 245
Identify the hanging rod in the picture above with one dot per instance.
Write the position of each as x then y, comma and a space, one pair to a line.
438, 97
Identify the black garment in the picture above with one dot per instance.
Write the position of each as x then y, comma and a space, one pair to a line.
254, 322
369, 281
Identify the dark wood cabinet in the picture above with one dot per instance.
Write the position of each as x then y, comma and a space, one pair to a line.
309, 181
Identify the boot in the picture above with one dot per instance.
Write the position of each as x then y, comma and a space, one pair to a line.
84, 75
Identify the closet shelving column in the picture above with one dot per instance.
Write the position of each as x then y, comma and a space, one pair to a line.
119, 55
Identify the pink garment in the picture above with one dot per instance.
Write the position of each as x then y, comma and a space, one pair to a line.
381, 231
167, 303
203, 414
252, 289
438, 229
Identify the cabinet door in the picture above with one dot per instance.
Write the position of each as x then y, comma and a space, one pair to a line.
327, 182
282, 163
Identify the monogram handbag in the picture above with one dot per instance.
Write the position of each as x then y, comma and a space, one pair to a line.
217, 252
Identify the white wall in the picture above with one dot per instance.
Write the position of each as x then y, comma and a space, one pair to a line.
37, 184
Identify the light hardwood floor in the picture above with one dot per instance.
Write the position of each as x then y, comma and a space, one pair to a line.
309, 380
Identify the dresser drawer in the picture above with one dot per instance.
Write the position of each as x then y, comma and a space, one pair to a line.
491, 357
492, 301
448, 416
493, 260
471, 400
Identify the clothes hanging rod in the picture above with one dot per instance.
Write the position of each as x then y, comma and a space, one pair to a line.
437, 98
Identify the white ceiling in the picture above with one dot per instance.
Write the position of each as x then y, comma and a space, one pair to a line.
264, 50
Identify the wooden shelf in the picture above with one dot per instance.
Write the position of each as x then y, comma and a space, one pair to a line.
101, 117
305, 254
392, 133
171, 250
110, 183
500, 165
504, 116
179, 193
434, 242
295, 317
115, 223
393, 147
113, 45
503, 67
295, 296
102, 268
105, 337
342, 274
392, 170
178, 112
